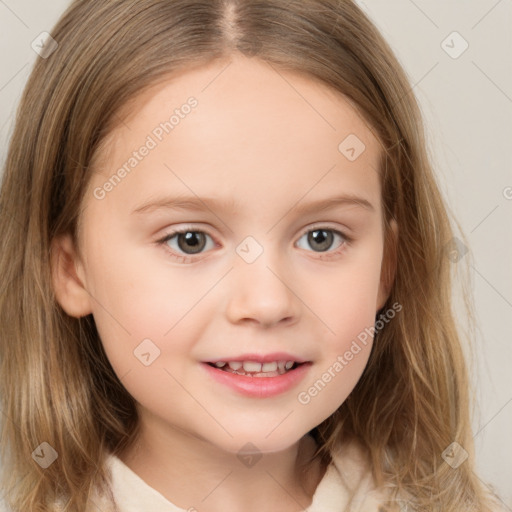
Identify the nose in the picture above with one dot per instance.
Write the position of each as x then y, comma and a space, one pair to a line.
261, 293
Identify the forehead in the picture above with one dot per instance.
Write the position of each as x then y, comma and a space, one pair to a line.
253, 129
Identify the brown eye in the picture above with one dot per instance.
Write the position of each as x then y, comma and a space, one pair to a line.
191, 242
187, 242
321, 240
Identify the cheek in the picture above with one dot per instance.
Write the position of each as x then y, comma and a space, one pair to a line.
343, 358
345, 305
146, 334
345, 300
134, 303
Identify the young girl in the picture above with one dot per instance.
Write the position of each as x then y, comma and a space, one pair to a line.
172, 338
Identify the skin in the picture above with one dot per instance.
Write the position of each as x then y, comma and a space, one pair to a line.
272, 147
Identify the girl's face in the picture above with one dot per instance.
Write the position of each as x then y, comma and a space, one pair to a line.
275, 179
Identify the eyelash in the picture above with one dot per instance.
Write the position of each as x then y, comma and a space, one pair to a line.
190, 258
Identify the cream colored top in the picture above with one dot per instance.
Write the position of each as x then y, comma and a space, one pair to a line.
345, 486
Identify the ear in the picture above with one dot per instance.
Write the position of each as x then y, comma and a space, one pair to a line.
68, 278
389, 262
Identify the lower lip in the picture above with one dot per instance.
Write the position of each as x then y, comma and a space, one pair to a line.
259, 387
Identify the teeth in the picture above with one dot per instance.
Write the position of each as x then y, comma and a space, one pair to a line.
269, 367
250, 366
253, 367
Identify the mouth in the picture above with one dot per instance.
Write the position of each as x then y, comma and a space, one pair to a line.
257, 379
257, 369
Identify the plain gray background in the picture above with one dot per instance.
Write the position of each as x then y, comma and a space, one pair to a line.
466, 98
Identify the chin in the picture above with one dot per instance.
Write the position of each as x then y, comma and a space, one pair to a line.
258, 442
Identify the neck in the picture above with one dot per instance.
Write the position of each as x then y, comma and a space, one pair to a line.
191, 472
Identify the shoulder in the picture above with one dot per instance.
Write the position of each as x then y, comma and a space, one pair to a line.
348, 484
352, 465
130, 493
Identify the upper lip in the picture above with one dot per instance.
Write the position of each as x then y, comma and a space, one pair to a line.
261, 358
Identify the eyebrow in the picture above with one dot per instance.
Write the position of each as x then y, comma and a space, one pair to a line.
195, 203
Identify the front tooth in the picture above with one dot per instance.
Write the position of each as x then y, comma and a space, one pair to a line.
220, 364
235, 365
269, 367
281, 365
250, 366
288, 364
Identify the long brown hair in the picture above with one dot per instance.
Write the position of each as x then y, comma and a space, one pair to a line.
56, 384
